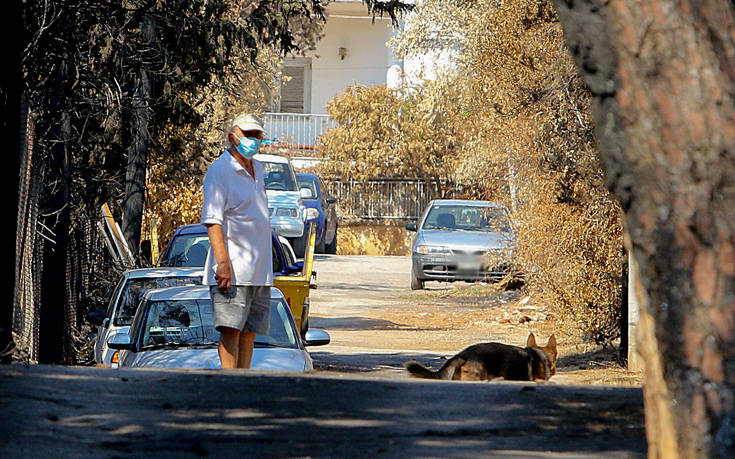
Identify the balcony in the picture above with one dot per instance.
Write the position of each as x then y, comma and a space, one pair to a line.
296, 130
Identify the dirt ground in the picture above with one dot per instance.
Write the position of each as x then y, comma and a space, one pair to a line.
373, 310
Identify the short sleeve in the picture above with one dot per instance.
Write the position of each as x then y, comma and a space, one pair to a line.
213, 207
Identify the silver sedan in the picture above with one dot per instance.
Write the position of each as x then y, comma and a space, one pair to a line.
461, 240
174, 328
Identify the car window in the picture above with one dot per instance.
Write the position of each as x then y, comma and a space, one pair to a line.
278, 176
468, 218
310, 183
192, 322
188, 250
180, 322
113, 298
134, 290
180, 256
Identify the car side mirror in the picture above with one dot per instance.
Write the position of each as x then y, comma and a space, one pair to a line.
316, 337
97, 316
412, 226
119, 341
306, 193
331, 200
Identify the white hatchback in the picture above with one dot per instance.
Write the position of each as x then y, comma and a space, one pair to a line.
131, 288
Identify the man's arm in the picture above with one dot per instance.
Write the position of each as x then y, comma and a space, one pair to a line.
219, 250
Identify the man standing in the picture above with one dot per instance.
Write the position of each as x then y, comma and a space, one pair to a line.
239, 266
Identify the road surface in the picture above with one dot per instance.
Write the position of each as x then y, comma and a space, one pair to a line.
360, 404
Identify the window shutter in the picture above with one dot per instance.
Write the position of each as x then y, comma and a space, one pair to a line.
292, 91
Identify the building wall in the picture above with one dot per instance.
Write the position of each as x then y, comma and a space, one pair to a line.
367, 56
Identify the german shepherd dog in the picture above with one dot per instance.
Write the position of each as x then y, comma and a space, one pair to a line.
487, 361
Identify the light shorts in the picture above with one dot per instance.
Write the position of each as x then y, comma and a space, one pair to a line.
244, 308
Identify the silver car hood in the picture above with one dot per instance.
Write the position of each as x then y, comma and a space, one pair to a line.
278, 198
466, 239
275, 359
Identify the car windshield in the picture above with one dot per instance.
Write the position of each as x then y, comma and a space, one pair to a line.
278, 176
468, 218
188, 250
135, 288
191, 322
310, 183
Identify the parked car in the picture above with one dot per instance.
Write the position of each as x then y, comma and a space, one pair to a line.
461, 240
174, 328
314, 197
287, 211
189, 246
126, 296
295, 280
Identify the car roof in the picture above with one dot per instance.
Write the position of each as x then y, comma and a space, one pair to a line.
194, 228
306, 175
263, 157
190, 292
163, 271
465, 202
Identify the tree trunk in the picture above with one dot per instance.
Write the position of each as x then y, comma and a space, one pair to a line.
138, 150
663, 78
11, 88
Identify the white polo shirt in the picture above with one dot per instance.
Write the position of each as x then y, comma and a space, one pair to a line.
233, 199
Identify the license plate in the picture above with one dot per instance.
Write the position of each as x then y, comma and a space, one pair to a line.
468, 266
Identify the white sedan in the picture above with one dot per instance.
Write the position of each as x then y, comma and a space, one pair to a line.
174, 328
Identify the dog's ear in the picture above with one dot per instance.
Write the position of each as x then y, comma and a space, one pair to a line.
551, 345
531, 341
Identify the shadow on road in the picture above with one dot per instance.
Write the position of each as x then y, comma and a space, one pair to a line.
370, 362
92, 412
360, 323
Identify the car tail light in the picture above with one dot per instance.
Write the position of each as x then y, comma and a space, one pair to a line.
115, 357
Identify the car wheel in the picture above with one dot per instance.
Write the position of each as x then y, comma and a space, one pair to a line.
416, 283
299, 246
331, 247
320, 246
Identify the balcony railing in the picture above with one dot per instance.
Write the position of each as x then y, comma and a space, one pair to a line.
296, 130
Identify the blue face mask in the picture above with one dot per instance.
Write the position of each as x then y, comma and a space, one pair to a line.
248, 146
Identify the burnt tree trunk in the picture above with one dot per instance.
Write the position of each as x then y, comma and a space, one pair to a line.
662, 73
138, 136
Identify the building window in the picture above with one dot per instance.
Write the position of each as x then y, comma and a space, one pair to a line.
296, 92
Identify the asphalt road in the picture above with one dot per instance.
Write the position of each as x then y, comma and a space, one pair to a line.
361, 404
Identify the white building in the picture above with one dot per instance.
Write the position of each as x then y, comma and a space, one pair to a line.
352, 51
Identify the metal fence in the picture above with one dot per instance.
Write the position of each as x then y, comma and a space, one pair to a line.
295, 129
384, 199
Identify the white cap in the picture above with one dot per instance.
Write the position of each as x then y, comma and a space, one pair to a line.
248, 122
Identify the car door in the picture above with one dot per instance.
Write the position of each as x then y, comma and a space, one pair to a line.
103, 331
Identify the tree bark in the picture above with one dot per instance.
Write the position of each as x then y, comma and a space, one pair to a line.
138, 150
11, 88
662, 73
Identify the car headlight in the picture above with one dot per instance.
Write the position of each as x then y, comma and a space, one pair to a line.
432, 249
287, 212
311, 213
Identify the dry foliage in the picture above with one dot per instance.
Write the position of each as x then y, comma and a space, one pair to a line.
523, 119
385, 133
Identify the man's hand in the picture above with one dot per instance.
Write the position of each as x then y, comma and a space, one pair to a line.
223, 276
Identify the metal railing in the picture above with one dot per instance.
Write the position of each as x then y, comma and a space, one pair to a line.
388, 199
295, 129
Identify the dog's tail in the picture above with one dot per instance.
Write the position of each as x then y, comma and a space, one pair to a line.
445, 372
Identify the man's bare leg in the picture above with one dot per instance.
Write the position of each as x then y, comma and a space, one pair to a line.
229, 347
245, 353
